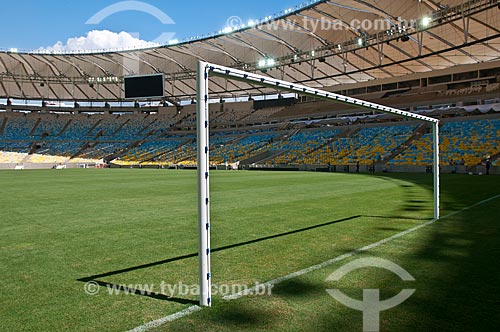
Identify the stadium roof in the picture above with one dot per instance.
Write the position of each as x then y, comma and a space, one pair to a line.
322, 44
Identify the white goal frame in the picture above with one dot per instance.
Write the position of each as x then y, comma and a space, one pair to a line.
204, 69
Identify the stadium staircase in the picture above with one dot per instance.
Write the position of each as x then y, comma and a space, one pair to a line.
294, 132
166, 152
33, 148
4, 124
147, 126
93, 127
100, 133
89, 149
236, 140
119, 154
257, 148
271, 154
417, 134
81, 150
65, 127
247, 115
251, 114
120, 128
187, 156
342, 134
37, 123
263, 157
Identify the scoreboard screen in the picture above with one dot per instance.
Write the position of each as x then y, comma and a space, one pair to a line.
148, 86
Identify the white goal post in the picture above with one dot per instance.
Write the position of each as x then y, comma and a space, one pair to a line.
204, 70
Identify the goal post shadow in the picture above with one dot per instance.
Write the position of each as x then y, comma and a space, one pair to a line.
206, 69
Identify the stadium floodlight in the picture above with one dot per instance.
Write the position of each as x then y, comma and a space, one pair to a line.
204, 70
426, 21
266, 63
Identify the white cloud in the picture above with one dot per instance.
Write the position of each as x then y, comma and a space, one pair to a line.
98, 40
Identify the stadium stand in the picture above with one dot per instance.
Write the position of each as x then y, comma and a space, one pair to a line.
149, 151
365, 145
79, 127
297, 147
241, 148
50, 125
11, 157
106, 127
262, 115
151, 139
134, 127
462, 142
303, 132
18, 126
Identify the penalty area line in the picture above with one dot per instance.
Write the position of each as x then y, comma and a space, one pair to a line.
195, 308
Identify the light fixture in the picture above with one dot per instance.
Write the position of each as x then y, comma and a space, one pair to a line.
426, 21
266, 63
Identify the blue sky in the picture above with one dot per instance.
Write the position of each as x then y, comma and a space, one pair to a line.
34, 24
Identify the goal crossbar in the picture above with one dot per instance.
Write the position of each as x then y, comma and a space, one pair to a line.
204, 71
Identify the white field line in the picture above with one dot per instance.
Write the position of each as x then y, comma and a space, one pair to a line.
194, 308
166, 319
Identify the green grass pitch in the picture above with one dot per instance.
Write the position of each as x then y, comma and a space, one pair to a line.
59, 229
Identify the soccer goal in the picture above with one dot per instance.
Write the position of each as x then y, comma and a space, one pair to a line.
207, 69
